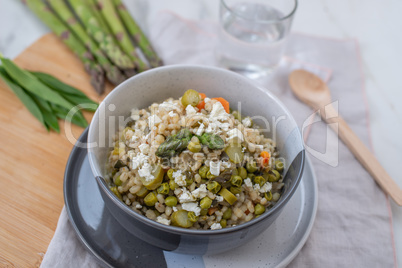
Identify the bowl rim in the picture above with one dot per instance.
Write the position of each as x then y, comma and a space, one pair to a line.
178, 230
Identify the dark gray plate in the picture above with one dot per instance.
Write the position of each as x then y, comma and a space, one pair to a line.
112, 246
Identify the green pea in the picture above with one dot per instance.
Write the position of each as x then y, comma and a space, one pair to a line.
273, 176
236, 181
190, 97
213, 187
170, 173
116, 192
223, 223
171, 201
163, 189
203, 171
259, 209
173, 185
150, 200
206, 202
276, 196
117, 181
192, 217
235, 190
251, 167
194, 147
227, 214
279, 165
242, 172
251, 176
204, 211
268, 196
259, 180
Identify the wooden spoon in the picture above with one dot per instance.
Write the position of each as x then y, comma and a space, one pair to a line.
314, 92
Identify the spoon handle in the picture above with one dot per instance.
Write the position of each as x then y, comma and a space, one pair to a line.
363, 154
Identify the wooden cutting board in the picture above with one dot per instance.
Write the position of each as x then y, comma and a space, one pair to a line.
32, 160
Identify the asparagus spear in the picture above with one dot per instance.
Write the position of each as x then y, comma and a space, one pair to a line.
60, 29
104, 40
116, 26
137, 34
93, 5
112, 72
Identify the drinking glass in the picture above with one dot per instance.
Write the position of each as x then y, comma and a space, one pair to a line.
253, 34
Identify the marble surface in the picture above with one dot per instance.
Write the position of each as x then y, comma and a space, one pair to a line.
375, 25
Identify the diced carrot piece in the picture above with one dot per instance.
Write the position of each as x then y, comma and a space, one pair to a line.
212, 210
264, 161
203, 96
224, 103
201, 105
265, 154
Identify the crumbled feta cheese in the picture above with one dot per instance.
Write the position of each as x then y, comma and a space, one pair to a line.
257, 187
248, 182
153, 120
216, 226
175, 209
211, 127
172, 114
200, 192
215, 168
219, 198
226, 164
135, 114
144, 148
235, 134
266, 187
145, 172
246, 122
162, 220
243, 149
179, 178
186, 196
207, 100
190, 110
137, 160
192, 206
218, 110
138, 206
200, 130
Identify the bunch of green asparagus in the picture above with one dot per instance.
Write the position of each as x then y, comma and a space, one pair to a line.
47, 98
102, 34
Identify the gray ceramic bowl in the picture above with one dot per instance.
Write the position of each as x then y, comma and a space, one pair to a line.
161, 83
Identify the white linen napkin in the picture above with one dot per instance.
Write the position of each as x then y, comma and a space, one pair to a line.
353, 223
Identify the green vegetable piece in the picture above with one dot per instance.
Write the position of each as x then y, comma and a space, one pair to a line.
259, 180
259, 209
237, 115
173, 185
236, 181
150, 200
116, 192
22, 95
180, 218
49, 117
117, 181
235, 172
235, 190
119, 164
223, 223
171, 201
192, 217
227, 214
268, 196
276, 196
63, 113
242, 172
213, 141
158, 178
194, 147
213, 187
228, 196
279, 165
273, 176
206, 202
203, 171
163, 189
234, 151
174, 144
142, 192
204, 211
190, 97
251, 167
170, 173
189, 181
251, 176
210, 176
